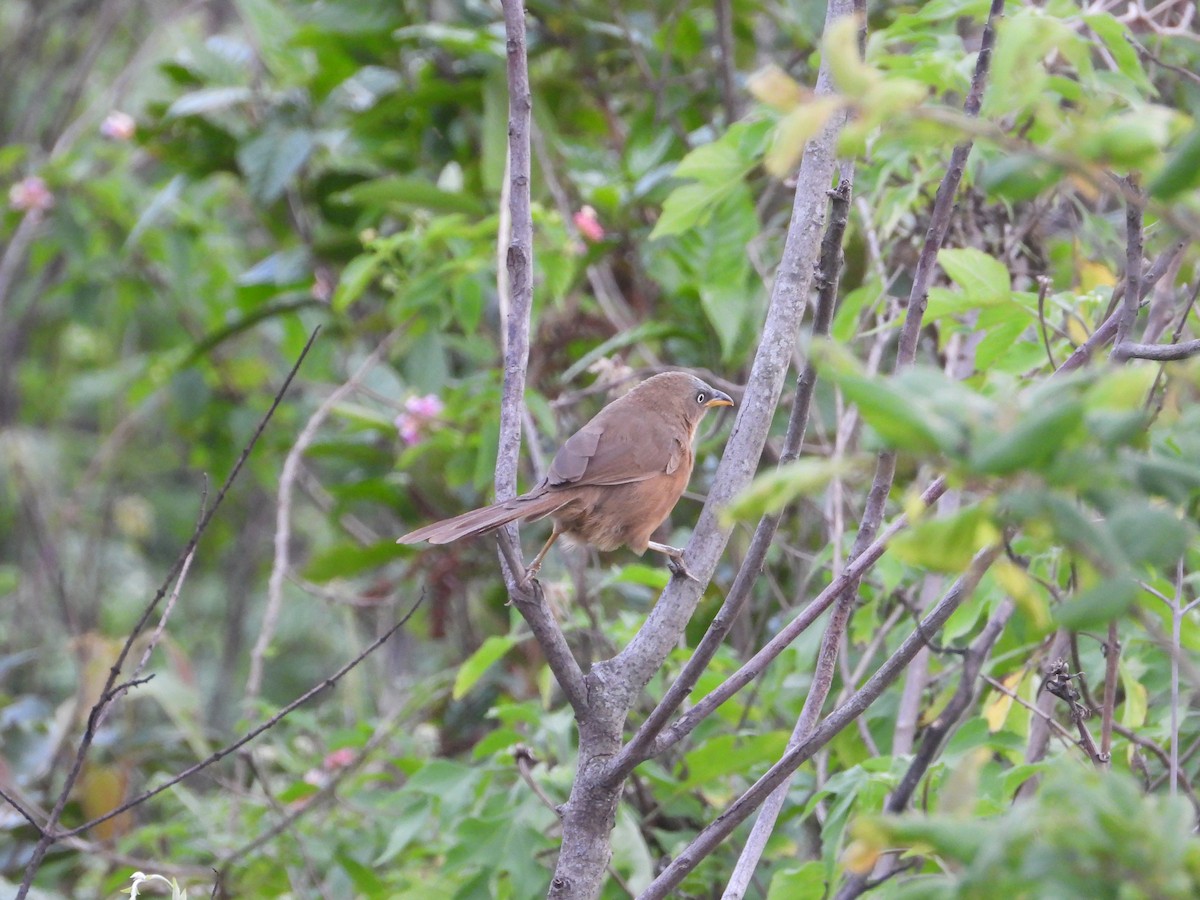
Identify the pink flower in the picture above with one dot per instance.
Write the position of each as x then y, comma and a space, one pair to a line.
418, 413
338, 759
30, 194
118, 126
588, 224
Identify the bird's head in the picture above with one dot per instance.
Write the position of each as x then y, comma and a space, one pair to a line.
682, 394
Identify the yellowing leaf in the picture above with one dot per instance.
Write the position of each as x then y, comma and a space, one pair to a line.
1093, 275
795, 130
853, 77
1075, 330
1017, 584
995, 711
776, 88
1133, 713
860, 857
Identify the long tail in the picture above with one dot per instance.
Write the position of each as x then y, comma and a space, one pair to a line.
480, 521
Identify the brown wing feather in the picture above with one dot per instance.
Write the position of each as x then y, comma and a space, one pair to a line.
619, 446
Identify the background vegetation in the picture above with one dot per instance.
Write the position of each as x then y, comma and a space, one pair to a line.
193, 188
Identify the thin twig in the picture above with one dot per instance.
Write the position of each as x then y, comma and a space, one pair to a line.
49, 833
250, 735
1112, 656
752, 565
1133, 270
737, 812
283, 516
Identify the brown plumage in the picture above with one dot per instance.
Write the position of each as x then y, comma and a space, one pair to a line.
615, 480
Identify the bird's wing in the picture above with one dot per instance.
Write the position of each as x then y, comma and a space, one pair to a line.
617, 449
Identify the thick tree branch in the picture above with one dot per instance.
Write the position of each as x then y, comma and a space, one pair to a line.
527, 597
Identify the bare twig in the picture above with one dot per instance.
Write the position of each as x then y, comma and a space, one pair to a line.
752, 565
283, 515
250, 735
1133, 269
720, 828
1112, 657
49, 834
885, 470
1161, 352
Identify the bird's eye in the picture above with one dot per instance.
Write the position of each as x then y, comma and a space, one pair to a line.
700, 398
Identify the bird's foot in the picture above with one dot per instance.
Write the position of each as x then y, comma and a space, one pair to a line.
674, 560
530, 575
679, 570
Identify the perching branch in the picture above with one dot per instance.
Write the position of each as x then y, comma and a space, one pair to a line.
752, 565
519, 263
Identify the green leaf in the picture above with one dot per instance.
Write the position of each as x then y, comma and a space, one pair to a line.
688, 206
772, 491
406, 191
982, 277
1182, 171
798, 882
728, 754
1032, 443
947, 544
1098, 605
1149, 535
271, 160
1115, 37
346, 559
356, 277
474, 666
208, 100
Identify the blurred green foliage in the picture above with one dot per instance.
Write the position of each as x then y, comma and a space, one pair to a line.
192, 189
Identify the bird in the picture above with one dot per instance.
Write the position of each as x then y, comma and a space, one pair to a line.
614, 481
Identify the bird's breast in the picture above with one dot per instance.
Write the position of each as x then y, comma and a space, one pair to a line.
612, 516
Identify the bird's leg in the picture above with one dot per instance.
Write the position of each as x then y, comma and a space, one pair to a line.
534, 566
674, 559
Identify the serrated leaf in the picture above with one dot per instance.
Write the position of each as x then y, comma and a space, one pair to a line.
490, 652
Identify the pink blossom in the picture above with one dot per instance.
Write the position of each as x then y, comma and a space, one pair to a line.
419, 413
428, 407
118, 126
338, 759
588, 224
30, 194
